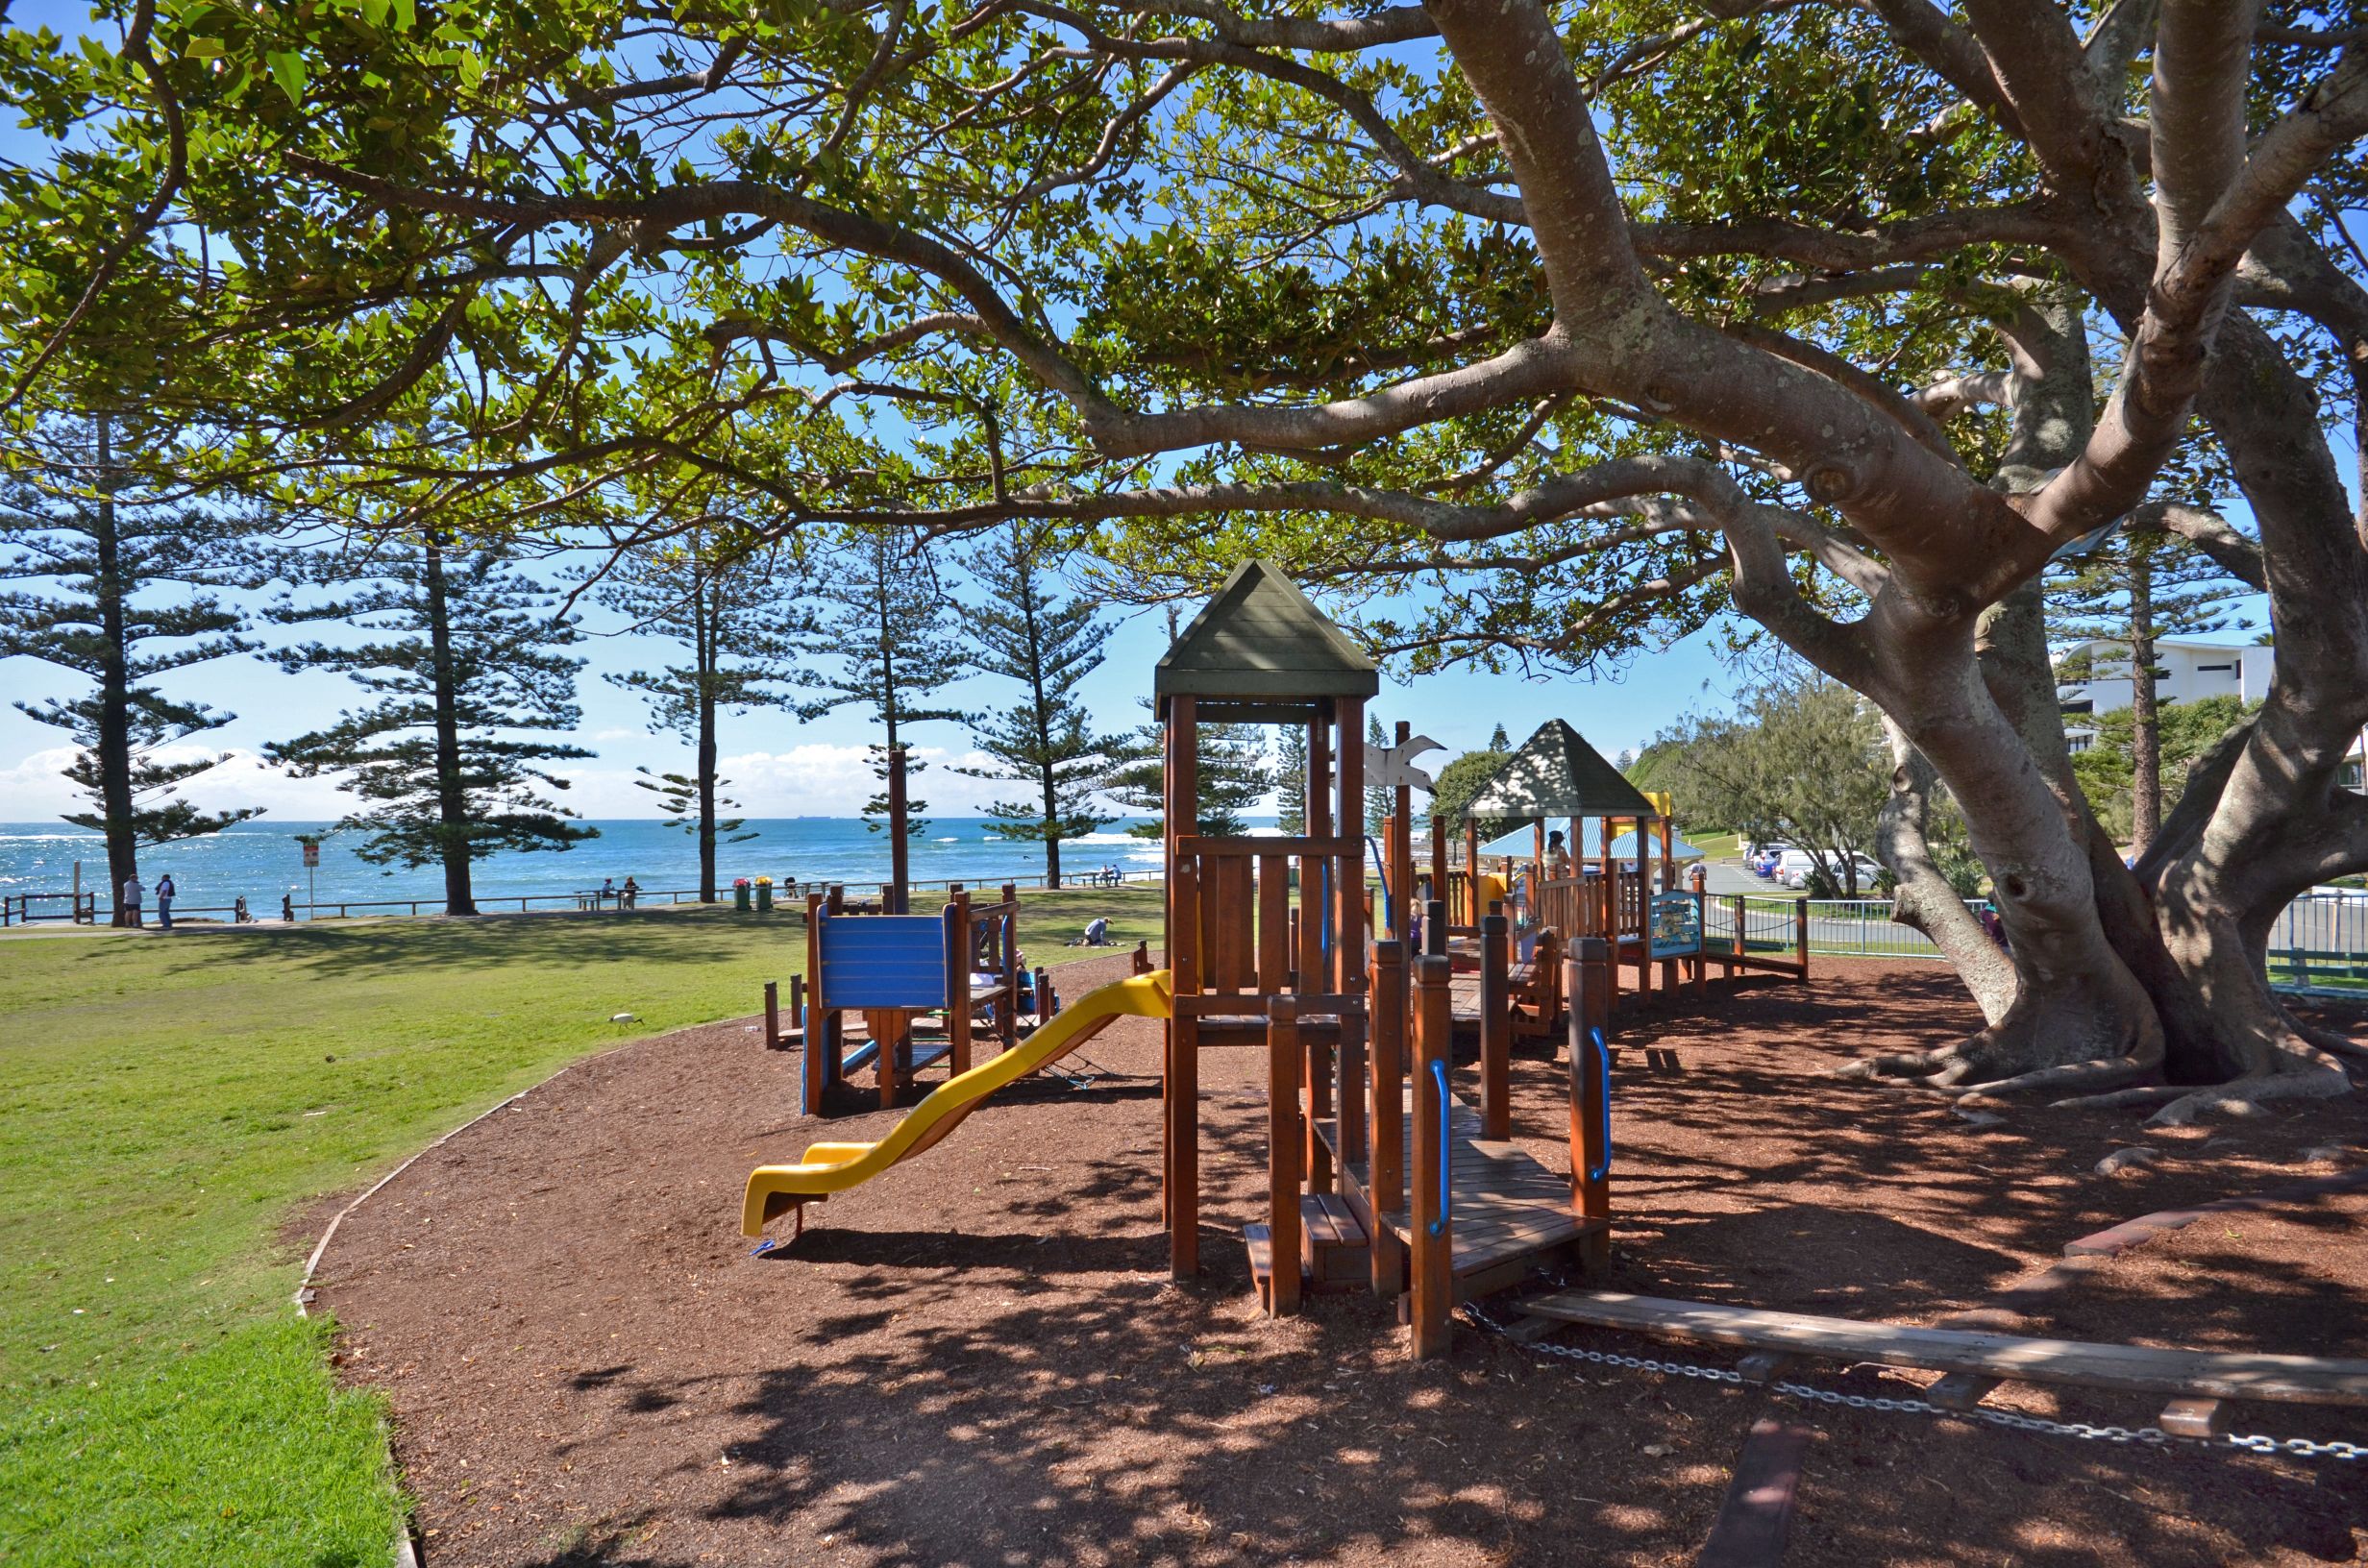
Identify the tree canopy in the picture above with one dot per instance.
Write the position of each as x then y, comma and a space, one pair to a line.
1548, 331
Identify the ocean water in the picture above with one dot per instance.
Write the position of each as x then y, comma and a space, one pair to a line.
261, 861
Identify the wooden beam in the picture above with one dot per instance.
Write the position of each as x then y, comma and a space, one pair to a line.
1495, 1028
1432, 1222
2299, 1380
1283, 1151
1757, 1516
1386, 1106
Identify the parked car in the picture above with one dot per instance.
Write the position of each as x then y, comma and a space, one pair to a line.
1761, 858
1796, 872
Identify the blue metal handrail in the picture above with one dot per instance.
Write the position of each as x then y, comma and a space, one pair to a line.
1603, 1065
1447, 1160
1388, 895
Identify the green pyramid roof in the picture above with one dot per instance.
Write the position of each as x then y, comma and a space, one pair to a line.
1259, 638
1557, 774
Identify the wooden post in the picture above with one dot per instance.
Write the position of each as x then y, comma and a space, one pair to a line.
1738, 901
960, 943
1439, 865
1591, 1153
797, 1007
1009, 1011
1283, 1148
1701, 924
1800, 936
1348, 977
1403, 852
1180, 1070
1043, 993
1431, 1221
900, 842
773, 1015
1495, 1028
821, 1043
1386, 1173
1315, 873
1610, 904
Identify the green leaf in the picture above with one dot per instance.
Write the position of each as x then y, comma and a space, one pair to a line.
288, 68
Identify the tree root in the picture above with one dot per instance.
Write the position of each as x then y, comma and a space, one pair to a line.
2240, 1097
1908, 1065
2095, 1077
2121, 1098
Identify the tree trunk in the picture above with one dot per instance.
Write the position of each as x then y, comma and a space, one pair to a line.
452, 802
115, 687
2145, 713
2078, 1017
1921, 897
1052, 830
708, 655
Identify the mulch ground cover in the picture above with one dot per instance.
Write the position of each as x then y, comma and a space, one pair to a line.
978, 1358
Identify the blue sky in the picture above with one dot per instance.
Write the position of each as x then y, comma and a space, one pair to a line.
779, 765
784, 767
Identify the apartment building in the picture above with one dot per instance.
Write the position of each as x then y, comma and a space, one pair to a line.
2185, 670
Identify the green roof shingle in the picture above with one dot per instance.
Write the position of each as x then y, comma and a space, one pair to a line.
1557, 774
1260, 638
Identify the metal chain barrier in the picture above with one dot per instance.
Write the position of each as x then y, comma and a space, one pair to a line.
2011, 1420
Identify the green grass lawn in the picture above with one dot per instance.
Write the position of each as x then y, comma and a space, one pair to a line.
168, 1105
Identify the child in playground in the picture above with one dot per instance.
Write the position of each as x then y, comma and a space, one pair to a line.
1557, 855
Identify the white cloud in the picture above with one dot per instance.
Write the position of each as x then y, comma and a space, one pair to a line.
816, 779
36, 787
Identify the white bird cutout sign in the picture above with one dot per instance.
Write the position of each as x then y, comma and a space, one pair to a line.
1387, 766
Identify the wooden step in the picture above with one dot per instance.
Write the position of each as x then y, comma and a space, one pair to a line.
1259, 1241
2187, 1374
1333, 1248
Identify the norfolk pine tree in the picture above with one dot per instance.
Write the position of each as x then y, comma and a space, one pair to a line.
705, 591
2138, 586
457, 653
885, 627
125, 595
1046, 740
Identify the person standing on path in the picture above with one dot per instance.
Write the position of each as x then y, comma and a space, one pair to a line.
166, 892
127, 909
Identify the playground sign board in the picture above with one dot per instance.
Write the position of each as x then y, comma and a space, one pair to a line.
1677, 925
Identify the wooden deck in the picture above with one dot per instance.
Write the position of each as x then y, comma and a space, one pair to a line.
1508, 1213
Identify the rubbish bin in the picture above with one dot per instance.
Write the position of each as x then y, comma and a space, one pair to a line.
764, 897
740, 897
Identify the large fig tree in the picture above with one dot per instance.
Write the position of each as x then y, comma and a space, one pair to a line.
1594, 321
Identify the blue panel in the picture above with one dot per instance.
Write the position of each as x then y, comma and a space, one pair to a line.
884, 961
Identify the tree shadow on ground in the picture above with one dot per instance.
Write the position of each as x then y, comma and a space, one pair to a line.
980, 1359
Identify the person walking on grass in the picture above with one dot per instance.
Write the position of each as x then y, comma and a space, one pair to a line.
129, 902
166, 892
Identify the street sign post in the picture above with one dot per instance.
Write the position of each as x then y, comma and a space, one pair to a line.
312, 873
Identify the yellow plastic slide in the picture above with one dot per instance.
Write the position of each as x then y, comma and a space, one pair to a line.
833, 1167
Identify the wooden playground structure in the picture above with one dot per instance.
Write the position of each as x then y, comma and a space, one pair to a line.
923, 987
1378, 1174
1670, 936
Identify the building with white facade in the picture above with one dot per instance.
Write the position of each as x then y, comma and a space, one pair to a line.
2184, 671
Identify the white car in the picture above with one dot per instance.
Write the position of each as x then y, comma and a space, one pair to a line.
1796, 868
